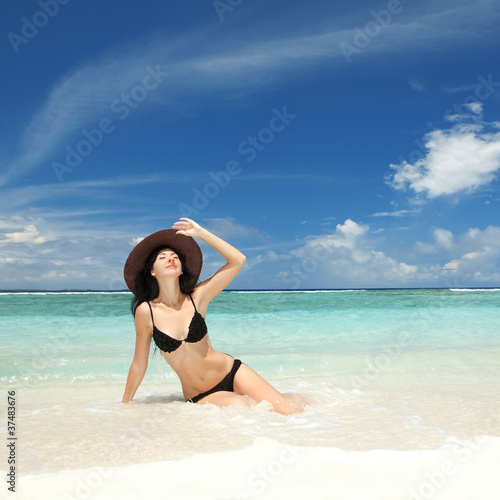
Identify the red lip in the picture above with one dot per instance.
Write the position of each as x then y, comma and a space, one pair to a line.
171, 265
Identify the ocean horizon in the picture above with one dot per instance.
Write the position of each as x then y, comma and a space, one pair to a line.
284, 290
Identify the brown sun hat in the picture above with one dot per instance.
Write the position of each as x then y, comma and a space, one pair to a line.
165, 238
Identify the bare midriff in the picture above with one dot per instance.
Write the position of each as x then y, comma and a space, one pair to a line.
199, 366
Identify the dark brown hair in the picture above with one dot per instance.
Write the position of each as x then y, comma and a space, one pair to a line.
146, 286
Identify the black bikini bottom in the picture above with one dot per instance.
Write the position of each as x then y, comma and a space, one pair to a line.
225, 385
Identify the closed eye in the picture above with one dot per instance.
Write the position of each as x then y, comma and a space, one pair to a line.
164, 255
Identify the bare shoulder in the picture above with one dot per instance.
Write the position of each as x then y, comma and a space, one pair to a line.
143, 316
142, 310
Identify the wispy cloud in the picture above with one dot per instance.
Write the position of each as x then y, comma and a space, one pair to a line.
231, 229
416, 85
459, 88
197, 68
25, 196
397, 213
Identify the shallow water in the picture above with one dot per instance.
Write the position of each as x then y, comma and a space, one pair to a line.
389, 369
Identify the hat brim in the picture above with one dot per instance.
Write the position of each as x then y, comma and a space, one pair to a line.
165, 238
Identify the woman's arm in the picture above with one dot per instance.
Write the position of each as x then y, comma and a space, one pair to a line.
144, 332
235, 259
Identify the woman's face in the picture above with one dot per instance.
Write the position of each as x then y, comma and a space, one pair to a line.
167, 264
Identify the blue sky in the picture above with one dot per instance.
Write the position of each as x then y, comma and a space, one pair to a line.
337, 144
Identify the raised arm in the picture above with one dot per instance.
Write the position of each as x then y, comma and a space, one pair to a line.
144, 332
235, 259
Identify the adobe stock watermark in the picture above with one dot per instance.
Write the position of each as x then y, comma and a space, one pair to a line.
376, 364
121, 107
483, 90
363, 36
43, 358
31, 27
260, 480
85, 488
223, 6
115, 280
308, 264
435, 481
249, 149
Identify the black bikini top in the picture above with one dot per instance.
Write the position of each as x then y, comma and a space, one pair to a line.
196, 332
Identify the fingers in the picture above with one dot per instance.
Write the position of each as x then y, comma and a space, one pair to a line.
183, 226
186, 226
183, 221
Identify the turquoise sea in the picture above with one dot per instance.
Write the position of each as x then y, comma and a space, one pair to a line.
395, 370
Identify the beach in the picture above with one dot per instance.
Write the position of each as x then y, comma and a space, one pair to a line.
404, 383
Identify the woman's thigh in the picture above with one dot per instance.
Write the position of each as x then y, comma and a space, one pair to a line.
226, 398
248, 382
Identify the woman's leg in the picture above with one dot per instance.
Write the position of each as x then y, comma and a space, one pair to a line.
248, 382
226, 398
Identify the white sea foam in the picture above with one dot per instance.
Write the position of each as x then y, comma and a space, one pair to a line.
90, 292
405, 406
474, 289
294, 291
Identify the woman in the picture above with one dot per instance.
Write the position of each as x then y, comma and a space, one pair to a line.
170, 308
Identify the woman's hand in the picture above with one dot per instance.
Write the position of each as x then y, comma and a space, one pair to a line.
209, 288
188, 227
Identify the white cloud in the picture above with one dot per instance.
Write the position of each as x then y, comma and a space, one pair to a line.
471, 257
479, 266
462, 158
62, 276
349, 258
268, 256
475, 107
443, 240
344, 259
136, 241
345, 236
460, 88
473, 240
30, 234
416, 85
397, 213
57, 255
